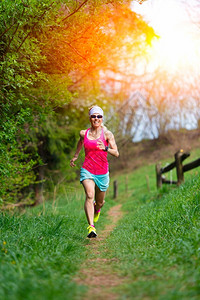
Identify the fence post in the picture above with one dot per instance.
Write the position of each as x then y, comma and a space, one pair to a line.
126, 183
179, 167
147, 179
115, 189
158, 176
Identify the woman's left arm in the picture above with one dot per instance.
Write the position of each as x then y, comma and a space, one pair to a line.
112, 144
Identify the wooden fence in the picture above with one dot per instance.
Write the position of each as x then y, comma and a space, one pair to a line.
180, 156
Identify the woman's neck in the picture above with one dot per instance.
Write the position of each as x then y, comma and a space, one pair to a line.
95, 130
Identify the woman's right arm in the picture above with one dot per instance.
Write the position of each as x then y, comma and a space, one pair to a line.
78, 148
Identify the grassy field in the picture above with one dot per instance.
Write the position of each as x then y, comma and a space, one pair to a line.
156, 245
42, 248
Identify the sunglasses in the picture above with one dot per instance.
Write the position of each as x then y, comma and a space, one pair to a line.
98, 116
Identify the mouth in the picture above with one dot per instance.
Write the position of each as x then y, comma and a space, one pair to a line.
96, 122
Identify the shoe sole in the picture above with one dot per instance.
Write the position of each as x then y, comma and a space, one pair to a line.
92, 234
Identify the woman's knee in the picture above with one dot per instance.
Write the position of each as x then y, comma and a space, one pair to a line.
103, 202
89, 188
100, 203
90, 196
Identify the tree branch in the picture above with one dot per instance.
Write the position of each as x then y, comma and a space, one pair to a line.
7, 29
76, 51
13, 36
75, 11
34, 26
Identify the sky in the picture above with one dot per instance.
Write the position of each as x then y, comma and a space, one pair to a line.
164, 15
177, 50
178, 47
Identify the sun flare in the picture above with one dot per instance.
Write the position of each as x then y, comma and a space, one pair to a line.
175, 52
177, 48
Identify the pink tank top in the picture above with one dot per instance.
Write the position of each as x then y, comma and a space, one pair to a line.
95, 159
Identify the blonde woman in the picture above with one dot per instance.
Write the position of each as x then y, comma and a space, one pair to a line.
94, 174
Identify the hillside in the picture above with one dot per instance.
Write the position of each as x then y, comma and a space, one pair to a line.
151, 252
134, 155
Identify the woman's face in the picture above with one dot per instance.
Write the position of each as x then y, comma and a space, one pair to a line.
96, 120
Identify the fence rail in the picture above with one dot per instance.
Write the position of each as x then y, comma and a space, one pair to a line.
179, 156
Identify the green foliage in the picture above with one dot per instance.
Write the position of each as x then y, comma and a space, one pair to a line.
23, 106
42, 249
157, 242
51, 53
155, 245
19, 72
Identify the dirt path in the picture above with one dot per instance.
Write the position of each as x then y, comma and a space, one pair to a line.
97, 273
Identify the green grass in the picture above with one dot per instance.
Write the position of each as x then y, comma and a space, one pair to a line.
43, 248
40, 250
157, 244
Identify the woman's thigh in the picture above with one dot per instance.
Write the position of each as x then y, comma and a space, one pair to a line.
89, 187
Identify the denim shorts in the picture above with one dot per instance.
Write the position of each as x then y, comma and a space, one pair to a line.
102, 181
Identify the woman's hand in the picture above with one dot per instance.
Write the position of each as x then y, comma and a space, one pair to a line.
72, 164
101, 145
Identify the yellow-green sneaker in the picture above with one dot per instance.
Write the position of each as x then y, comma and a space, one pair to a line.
96, 216
91, 232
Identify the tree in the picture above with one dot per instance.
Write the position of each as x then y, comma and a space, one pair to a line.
52, 56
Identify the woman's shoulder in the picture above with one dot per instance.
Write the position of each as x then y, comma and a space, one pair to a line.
82, 133
108, 134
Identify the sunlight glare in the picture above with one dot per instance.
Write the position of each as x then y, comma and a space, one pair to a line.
177, 48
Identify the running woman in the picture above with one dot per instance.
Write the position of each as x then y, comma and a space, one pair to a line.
94, 174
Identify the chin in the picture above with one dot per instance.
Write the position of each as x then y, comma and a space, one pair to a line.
96, 124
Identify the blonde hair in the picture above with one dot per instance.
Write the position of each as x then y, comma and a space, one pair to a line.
90, 107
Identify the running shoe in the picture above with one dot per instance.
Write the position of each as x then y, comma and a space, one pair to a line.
96, 216
91, 232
